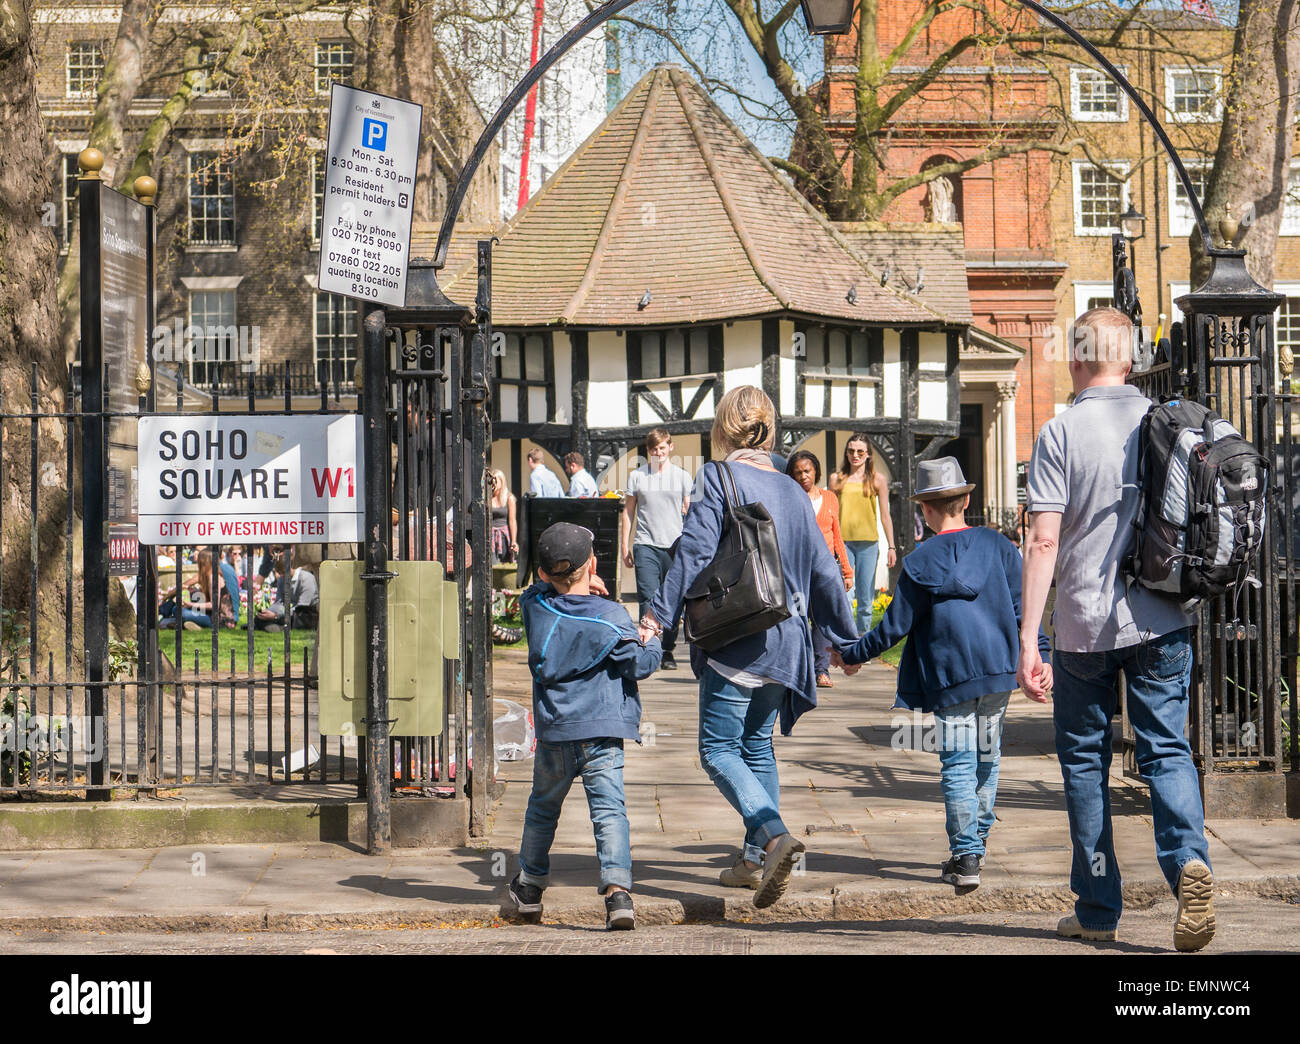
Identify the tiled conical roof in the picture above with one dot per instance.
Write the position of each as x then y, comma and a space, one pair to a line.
668, 196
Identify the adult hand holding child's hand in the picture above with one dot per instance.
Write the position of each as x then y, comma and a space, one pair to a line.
849, 669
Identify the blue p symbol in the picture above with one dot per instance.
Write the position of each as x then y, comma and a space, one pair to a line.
374, 134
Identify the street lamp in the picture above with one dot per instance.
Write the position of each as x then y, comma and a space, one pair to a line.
1124, 262
827, 17
1131, 221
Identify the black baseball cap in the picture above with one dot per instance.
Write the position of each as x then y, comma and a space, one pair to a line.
563, 548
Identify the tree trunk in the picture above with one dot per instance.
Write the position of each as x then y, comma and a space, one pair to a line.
123, 74
31, 534
1253, 160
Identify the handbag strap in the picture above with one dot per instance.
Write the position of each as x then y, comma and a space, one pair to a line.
732, 495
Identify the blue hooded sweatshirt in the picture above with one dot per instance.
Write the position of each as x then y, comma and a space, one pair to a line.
958, 605
585, 658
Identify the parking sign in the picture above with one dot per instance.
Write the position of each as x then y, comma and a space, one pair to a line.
370, 166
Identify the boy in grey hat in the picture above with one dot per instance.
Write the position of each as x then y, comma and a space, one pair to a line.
958, 604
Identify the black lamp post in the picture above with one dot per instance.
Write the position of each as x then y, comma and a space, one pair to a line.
1124, 262
827, 17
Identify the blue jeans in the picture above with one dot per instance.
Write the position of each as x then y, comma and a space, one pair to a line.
555, 766
863, 554
821, 651
651, 565
970, 748
736, 752
1157, 675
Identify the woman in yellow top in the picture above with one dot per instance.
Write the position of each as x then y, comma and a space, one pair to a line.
860, 487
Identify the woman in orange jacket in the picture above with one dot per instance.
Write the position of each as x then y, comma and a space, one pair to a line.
806, 470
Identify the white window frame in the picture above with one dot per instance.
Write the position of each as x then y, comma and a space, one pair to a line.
331, 336
97, 46
210, 60
1182, 224
204, 361
317, 199
1076, 171
1085, 290
1289, 225
67, 202
1176, 290
328, 69
1193, 117
208, 244
1077, 74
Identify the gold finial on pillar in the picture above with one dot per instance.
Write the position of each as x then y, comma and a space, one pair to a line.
1228, 226
91, 162
143, 378
145, 189
1286, 361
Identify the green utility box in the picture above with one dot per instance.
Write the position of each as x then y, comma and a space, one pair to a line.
423, 629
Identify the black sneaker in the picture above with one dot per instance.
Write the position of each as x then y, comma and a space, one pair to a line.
668, 663
619, 915
962, 872
528, 901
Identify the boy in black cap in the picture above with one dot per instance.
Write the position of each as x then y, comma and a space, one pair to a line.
586, 657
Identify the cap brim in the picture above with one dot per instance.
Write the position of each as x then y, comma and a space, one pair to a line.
940, 494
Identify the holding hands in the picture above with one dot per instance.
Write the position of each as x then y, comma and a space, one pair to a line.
1034, 676
849, 669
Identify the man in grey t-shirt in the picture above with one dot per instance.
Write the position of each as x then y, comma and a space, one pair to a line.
658, 494
1083, 499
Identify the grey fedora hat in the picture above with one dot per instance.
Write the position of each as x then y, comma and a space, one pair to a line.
940, 478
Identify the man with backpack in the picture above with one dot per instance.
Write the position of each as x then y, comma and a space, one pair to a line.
1083, 500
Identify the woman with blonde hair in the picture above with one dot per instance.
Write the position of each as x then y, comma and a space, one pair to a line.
861, 488
747, 684
505, 528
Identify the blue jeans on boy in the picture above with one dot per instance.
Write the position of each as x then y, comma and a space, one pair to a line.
970, 749
555, 766
863, 554
736, 751
1156, 674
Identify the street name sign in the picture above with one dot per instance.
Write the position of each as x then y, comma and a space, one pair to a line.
258, 478
370, 165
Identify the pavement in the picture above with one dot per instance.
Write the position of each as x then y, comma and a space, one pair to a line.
862, 793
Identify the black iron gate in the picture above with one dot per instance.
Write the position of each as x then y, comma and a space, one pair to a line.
1222, 354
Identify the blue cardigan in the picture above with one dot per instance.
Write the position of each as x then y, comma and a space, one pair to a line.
814, 585
958, 605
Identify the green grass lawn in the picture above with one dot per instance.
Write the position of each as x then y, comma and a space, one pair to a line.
236, 641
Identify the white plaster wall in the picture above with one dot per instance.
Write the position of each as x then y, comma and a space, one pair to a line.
607, 380
563, 378
893, 374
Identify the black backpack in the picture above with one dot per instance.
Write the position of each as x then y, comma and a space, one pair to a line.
1203, 489
742, 591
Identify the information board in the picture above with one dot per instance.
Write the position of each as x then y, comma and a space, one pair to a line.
258, 478
370, 166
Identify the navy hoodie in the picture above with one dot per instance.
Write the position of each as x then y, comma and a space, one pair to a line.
585, 658
958, 605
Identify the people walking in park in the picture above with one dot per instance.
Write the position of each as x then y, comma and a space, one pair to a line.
958, 605
581, 484
748, 683
1082, 501
806, 470
585, 656
658, 494
863, 494
505, 523
542, 481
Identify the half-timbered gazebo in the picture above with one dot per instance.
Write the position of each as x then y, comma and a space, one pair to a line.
668, 261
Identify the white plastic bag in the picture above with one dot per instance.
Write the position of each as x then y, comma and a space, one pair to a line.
512, 731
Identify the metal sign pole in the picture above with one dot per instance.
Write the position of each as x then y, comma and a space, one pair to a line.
374, 394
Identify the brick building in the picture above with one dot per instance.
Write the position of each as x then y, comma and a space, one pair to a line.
238, 227
1037, 225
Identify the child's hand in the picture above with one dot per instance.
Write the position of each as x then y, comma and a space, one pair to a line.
848, 669
598, 585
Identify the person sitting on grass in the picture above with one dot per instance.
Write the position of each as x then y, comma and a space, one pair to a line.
585, 658
958, 604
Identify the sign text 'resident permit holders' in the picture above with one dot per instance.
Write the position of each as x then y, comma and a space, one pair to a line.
370, 167
227, 478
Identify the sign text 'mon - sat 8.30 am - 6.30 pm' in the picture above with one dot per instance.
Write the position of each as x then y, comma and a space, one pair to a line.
370, 168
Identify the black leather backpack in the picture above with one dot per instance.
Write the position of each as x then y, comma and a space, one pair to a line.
742, 591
